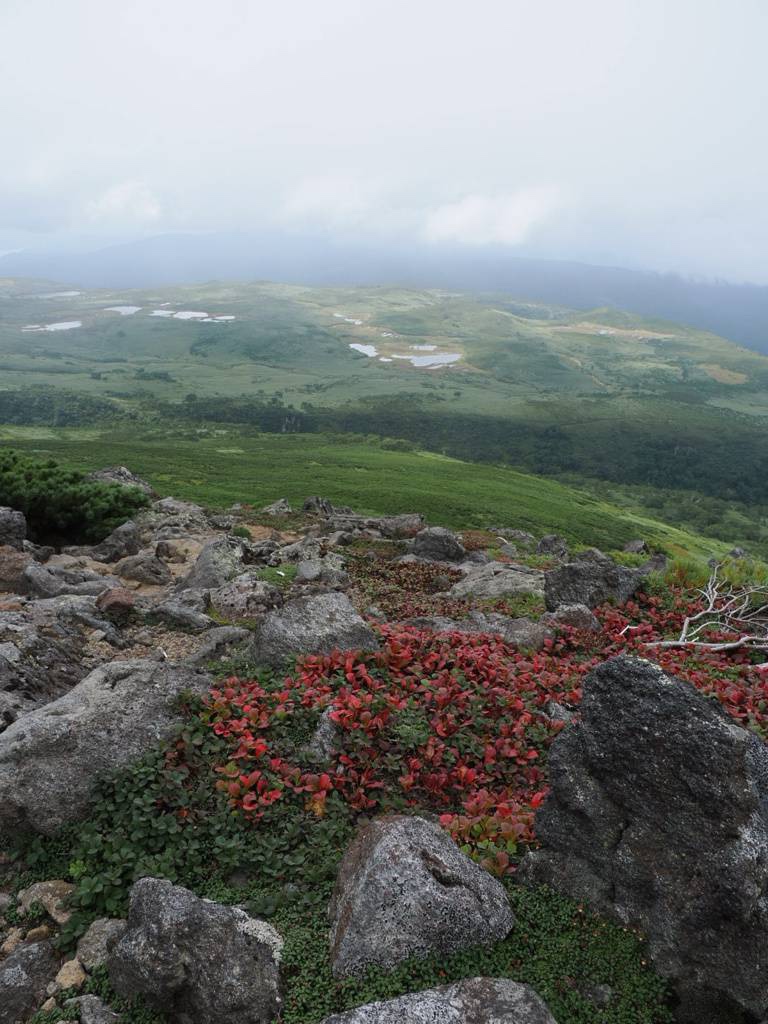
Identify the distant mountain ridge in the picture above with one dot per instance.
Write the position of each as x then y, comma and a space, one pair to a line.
735, 311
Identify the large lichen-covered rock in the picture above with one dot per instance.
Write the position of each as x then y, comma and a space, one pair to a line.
43, 581
93, 947
91, 1010
439, 545
552, 544
658, 816
499, 579
311, 625
590, 579
50, 758
577, 616
145, 567
123, 476
220, 561
405, 525
245, 597
472, 1001
23, 979
121, 543
520, 632
405, 889
198, 961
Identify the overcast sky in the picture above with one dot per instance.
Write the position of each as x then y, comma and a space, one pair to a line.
630, 132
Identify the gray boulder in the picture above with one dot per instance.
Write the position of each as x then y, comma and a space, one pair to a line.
307, 548
499, 579
322, 570
36, 665
91, 1010
438, 545
220, 561
658, 817
404, 525
472, 1001
24, 976
50, 758
592, 579
13, 528
43, 581
123, 476
552, 544
318, 506
311, 625
519, 632
656, 563
145, 567
521, 537
180, 615
636, 547
405, 889
197, 961
220, 644
245, 597
281, 507
577, 616
122, 542
93, 947
170, 519
40, 552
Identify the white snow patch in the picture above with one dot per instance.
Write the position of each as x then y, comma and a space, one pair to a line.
367, 350
432, 361
60, 295
122, 310
64, 325
385, 359
424, 348
161, 312
190, 314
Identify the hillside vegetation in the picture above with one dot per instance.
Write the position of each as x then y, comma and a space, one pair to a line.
658, 417
359, 472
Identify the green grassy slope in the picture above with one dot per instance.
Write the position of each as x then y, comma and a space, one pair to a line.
603, 395
235, 468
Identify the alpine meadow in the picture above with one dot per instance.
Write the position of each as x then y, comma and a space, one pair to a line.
383, 512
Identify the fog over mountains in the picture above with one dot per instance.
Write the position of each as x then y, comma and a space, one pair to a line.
735, 311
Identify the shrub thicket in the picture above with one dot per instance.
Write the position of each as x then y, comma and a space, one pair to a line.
62, 505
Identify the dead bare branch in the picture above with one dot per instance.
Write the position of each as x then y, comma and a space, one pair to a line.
727, 609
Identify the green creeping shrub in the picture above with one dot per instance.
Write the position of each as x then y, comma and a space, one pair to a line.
556, 947
628, 558
241, 531
280, 576
691, 574
60, 504
516, 606
164, 816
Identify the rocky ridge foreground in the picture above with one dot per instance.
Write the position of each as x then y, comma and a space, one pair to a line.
97, 643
